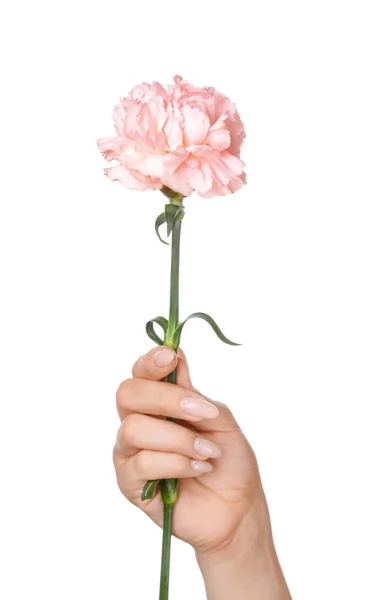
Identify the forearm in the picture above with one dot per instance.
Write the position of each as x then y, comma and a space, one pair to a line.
245, 571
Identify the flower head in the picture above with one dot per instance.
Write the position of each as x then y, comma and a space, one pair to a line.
183, 137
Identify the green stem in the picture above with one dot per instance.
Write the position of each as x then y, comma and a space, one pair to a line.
168, 488
170, 339
165, 555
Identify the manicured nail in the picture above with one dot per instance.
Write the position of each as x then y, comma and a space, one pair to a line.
164, 357
198, 407
206, 448
201, 465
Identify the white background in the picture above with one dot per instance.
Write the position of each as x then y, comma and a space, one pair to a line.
280, 265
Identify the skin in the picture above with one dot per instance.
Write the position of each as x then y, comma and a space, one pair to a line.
223, 513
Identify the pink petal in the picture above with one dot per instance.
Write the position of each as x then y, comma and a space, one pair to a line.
220, 122
196, 125
219, 139
233, 162
201, 177
178, 181
120, 173
202, 150
119, 113
148, 91
154, 164
111, 148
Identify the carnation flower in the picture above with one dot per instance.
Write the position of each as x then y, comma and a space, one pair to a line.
183, 137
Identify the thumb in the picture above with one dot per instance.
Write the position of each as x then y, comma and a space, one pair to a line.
182, 369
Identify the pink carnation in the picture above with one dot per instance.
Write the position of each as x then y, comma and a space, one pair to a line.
182, 137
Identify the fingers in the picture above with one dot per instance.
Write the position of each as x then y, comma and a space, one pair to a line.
183, 375
132, 473
162, 398
146, 393
143, 432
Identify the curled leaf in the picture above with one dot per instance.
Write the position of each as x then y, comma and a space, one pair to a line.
173, 212
160, 221
210, 321
163, 322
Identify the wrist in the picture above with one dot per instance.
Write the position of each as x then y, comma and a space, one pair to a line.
246, 563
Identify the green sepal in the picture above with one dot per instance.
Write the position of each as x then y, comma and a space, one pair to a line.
163, 322
174, 197
160, 221
149, 489
210, 321
169, 490
173, 213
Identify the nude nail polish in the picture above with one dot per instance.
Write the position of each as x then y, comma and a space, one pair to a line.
206, 448
163, 358
202, 466
198, 407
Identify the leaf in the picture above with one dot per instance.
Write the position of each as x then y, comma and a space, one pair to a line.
159, 221
171, 214
163, 322
210, 321
149, 489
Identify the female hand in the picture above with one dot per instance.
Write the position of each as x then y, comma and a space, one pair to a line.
221, 508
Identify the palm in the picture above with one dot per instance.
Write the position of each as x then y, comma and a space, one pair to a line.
211, 507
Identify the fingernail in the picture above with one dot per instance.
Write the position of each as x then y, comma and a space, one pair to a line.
197, 407
206, 448
164, 357
201, 465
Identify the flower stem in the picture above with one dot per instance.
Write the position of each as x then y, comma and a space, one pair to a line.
170, 339
168, 487
165, 556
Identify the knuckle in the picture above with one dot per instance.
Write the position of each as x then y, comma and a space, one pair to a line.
143, 462
129, 427
225, 410
181, 463
185, 438
137, 366
117, 458
114, 456
124, 391
222, 406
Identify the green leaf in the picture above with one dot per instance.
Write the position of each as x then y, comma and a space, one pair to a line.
149, 489
210, 321
160, 221
163, 322
172, 211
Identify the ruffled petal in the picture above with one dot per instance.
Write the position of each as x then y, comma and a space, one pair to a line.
154, 164
178, 181
219, 139
200, 178
196, 125
111, 148
125, 176
185, 137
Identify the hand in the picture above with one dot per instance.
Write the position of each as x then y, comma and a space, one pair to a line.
221, 508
